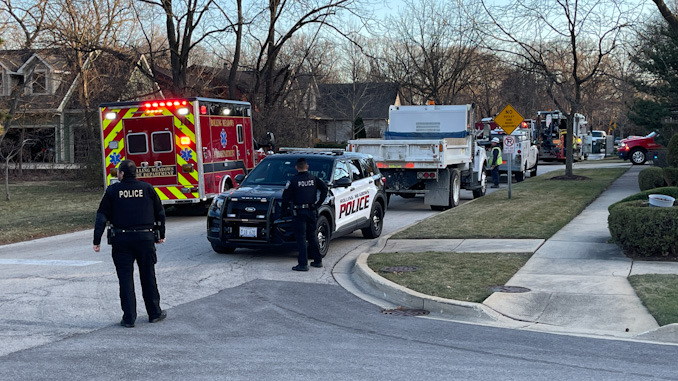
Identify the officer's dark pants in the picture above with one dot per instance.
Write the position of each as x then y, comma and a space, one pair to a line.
128, 247
305, 222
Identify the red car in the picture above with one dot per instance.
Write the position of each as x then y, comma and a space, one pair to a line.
639, 149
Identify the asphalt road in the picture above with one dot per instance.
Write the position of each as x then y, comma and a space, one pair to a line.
248, 316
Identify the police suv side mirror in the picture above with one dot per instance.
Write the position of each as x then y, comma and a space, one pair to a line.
239, 178
342, 182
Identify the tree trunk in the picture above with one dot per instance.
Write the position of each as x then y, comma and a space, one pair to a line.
236, 55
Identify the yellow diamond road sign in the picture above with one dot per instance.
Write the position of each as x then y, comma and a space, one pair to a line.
508, 119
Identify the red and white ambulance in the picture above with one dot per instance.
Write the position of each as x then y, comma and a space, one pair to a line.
189, 149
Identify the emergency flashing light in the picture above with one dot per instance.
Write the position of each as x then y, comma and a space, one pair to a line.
203, 110
111, 115
182, 111
184, 140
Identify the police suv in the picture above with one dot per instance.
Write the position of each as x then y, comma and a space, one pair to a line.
253, 215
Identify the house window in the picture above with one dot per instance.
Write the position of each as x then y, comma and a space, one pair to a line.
39, 84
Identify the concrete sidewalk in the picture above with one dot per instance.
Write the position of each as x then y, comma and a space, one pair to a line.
577, 280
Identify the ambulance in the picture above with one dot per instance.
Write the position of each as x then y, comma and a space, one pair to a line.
189, 149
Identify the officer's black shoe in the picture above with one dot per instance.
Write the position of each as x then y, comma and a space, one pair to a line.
300, 268
317, 264
163, 315
125, 324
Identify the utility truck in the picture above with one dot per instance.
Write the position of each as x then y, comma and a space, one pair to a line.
429, 150
552, 135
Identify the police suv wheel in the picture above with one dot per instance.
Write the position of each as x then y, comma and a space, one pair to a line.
323, 233
376, 222
222, 249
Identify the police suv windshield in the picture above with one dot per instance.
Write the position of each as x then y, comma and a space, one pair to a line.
277, 169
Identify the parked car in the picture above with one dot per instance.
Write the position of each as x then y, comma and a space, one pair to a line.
639, 149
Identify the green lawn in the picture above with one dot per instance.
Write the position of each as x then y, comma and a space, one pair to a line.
659, 294
40, 209
459, 276
538, 208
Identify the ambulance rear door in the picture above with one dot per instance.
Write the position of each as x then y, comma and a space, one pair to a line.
150, 144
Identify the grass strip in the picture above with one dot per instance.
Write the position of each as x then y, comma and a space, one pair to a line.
659, 294
538, 208
41, 209
459, 276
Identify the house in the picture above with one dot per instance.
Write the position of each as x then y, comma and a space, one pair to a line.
338, 106
53, 101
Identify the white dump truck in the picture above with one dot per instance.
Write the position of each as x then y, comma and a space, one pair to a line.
429, 150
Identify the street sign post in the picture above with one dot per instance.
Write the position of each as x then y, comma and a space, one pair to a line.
509, 149
509, 119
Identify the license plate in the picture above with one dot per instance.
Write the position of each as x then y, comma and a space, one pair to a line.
247, 231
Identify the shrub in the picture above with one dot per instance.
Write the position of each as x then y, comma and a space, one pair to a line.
671, 176
672, 151
659, 159
651, 177
668, 191
642, 231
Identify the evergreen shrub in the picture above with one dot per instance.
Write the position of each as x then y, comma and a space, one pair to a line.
651, 177
644, 231
672, 152
671, 176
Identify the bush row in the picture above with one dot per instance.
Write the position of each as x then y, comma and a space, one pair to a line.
643, 231
656, 177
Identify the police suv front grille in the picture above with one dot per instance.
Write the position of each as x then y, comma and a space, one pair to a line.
247, 209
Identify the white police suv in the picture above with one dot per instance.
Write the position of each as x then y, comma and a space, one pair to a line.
253, 215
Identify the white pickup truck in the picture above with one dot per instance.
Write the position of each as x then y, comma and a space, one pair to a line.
526, 157
429, 150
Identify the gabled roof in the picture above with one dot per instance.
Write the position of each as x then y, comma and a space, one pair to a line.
368, 100
108, 76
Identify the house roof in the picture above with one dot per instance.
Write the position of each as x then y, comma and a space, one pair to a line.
369, 100
107, 79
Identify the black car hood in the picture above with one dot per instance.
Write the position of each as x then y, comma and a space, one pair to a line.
258, 191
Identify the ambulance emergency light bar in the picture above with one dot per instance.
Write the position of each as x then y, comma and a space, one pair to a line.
154, 107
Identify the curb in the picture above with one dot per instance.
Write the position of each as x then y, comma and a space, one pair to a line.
378, 286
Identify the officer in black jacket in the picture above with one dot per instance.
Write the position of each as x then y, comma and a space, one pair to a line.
301, 192
138, 222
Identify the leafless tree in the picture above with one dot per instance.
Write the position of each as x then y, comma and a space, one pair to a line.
563, 42
187, 24
26, 21
432, 49
668, 14
284, 19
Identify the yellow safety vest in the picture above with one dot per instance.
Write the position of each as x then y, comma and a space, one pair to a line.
499, 160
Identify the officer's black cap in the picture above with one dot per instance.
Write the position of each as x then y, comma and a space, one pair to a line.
128, 168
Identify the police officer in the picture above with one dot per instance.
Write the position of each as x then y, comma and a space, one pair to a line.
138, 222
301, 193
495, 161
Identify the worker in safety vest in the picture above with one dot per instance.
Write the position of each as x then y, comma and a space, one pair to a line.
495, 161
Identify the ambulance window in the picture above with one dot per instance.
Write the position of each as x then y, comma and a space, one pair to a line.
137, 144
161, 141
240, 136
341, 171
